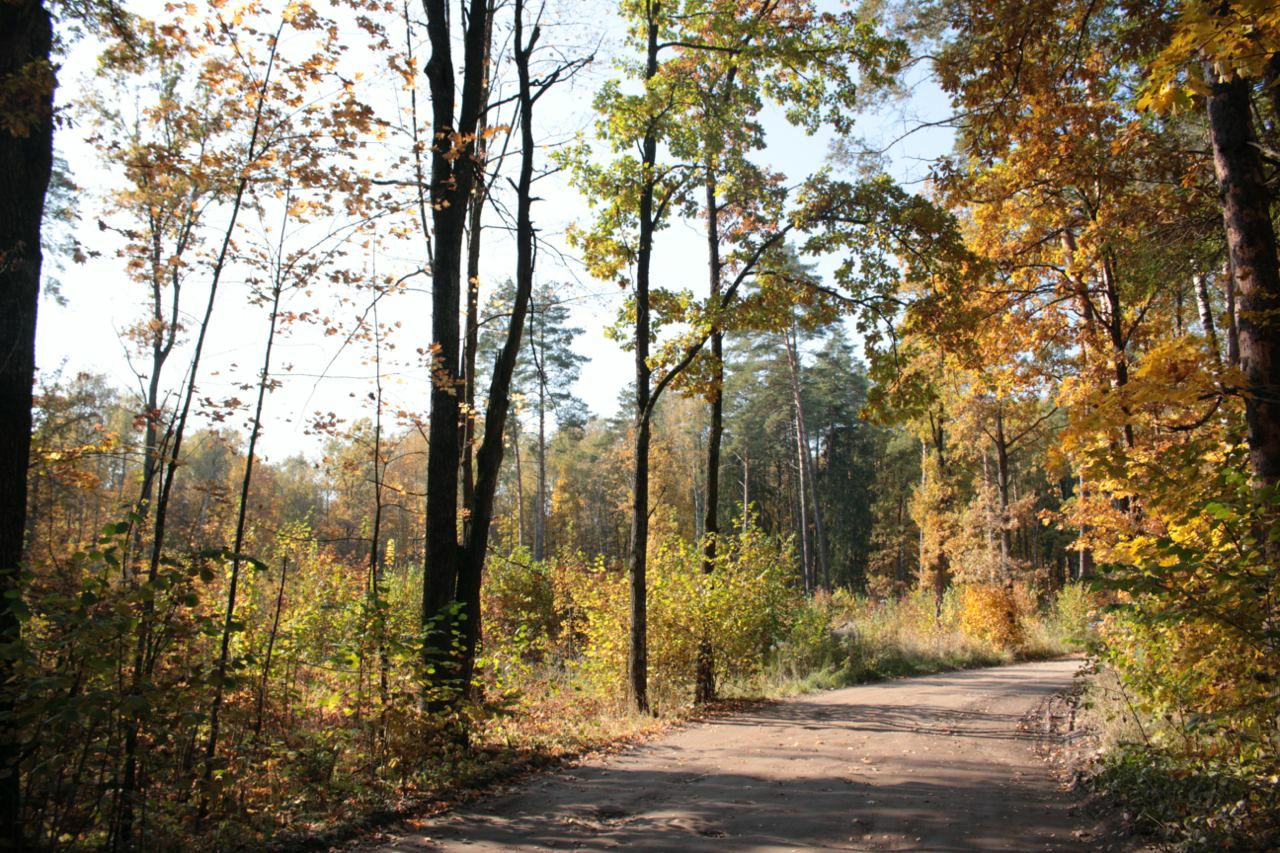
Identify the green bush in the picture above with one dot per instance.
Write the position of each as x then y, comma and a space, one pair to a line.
518, 604
1195, 803
1072, 615
744, 604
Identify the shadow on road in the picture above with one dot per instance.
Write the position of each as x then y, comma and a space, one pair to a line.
732, 811
935, 763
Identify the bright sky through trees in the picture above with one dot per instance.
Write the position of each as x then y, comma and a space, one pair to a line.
322, 374
303, 521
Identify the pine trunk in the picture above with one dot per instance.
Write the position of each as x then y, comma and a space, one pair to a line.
1251, 241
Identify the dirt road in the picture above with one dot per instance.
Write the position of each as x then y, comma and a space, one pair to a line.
934, 763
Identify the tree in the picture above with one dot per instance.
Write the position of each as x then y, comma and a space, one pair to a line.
552, 368
26, 162
544, 374
1238, 48
1251, 241
451, 595
798, 58
845, 454
179, 161
452, 176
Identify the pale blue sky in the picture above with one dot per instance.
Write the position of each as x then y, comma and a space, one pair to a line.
102, 301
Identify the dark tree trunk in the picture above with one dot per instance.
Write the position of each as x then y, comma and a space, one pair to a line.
939, 564
242, 517
802, 507
540, 496
638, 649
163, 338
475, 216
375, 536
1002, 486
1119, 345
489, 458
453, 172
705, 681
821, 570
26, 161
1251, 241
144, 661
538, 353
271, 645
515, 448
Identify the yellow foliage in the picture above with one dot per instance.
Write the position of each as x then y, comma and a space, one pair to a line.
991, 612
741, 605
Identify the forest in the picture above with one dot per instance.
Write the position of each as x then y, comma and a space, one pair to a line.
858, 425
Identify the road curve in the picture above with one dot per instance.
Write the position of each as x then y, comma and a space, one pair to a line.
932, 763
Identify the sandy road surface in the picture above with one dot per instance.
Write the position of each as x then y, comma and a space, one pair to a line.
934, 763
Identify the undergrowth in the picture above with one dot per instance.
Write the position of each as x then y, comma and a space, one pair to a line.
325, 731
550, 701
555, 694
1191, 782
845, 639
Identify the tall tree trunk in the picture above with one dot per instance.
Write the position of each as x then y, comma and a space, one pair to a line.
802, 503
939, 565
540, 499
515, 448
242, 517
453, 173
705, 680
163, 338
271, 645
143, 661
375, 534
26, 162
924, 479
1119, 346
489, 457
638, 648
1002, 487
475, 216
151, 442
1251, 241
822, 569
991, 521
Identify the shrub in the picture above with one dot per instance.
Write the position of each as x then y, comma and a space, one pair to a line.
990, 612
1072, 615
518, 605
744, 604
813, 641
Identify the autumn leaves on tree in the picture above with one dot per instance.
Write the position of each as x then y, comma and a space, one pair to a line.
1071, 373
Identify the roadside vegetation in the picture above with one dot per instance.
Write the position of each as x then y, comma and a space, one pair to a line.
323, 718
870, 425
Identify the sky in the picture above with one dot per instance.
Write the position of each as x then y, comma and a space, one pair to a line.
328, 374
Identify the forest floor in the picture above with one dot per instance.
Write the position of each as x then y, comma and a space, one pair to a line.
952, 762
